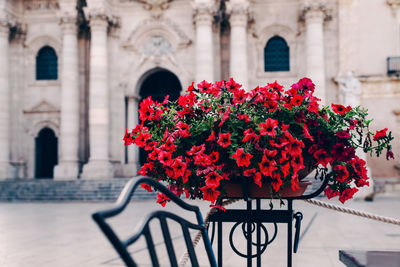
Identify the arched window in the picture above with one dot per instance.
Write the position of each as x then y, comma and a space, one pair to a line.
46, 64
276, 55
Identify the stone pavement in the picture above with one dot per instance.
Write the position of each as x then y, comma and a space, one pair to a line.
63, 234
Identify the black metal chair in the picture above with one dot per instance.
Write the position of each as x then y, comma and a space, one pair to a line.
122, 245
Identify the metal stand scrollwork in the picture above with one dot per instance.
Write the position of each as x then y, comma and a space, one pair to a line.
252, 221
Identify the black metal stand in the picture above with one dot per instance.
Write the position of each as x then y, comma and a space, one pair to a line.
253, 221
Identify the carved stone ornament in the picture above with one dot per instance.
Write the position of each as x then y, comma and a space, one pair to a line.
43, 107
314, 10
157, 46
37, 5
350, 89
155, 4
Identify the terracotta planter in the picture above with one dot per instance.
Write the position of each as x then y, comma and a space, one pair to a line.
235, 190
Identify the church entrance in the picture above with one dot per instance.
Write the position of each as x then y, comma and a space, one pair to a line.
158, 84
46, 153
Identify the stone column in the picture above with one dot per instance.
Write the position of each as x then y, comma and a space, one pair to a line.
314, 15
69, 131
133, 120
395, 5
99, 165
203, 17
238, 69
5, 167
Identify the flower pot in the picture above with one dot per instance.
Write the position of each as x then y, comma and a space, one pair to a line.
235, 190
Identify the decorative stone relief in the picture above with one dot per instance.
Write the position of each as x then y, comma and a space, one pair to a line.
41, 5
314, 10
204, 12
43, 107
155, 4
156, 46
350, 89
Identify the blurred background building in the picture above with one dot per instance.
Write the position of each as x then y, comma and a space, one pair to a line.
72, 72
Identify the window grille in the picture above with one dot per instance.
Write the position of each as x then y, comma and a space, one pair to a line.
46, 64
276, 55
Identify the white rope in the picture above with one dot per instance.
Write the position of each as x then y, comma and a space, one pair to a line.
196, 239
354, 212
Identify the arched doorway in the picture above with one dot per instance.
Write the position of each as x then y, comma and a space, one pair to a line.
46, 153
158, 84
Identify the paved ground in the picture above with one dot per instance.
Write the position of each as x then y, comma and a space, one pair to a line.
63, 234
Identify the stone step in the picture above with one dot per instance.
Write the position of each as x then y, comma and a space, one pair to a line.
77, 190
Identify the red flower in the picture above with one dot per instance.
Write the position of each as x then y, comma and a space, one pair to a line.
196, 150
322, 157
244, 117
212, 179
239, 96
297, 163
128, 140
286, 170
305, 85
248, 134
214, 156
342, 173
294, 182
224, 140
211, 137
204, 86
231, 85
179, 167
242, 158
276, 182
209, 193
267, 166
330, 193
162, 199
268, 127
347, 194
380, 134
146, 187
257, 179
296, 100
225, 117
183, 129
296, 148
276, 87
165, 157
141, 139
339, 109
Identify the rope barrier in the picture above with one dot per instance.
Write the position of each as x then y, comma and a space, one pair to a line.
353, 212
185, 256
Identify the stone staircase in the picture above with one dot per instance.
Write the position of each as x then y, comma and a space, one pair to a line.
76, 190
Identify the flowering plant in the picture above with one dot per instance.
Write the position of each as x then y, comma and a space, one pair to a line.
219, 132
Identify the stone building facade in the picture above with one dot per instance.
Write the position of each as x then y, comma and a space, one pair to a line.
73, 71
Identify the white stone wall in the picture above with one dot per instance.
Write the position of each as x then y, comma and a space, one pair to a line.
352, 39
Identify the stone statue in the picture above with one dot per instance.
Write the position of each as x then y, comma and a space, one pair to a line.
350, 89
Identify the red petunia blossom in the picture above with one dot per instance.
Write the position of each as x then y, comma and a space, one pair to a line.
380, 134
244, 117
214, 156
249, 172
268, 127
322, 157
295, 101
305, 85
162, 199
169, 145
330, 193
343, 135
239, 96
297, 163
179, 167
270, 154
185, 177
347, 194
224, 140
342, 153
276, 182
278, 142
209, 193
341, 173
141, 139
276, 87
296, 148
249, 134
204, 87
257, 179
146, 187
183, 129
232, 86
225, 116
211, 137
128, 140
286, 169
212, 179
242, 158
196, 149
294, 182
339, 109
146, 168
267, 166
165, 157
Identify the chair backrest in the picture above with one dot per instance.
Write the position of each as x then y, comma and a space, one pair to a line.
122, 245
